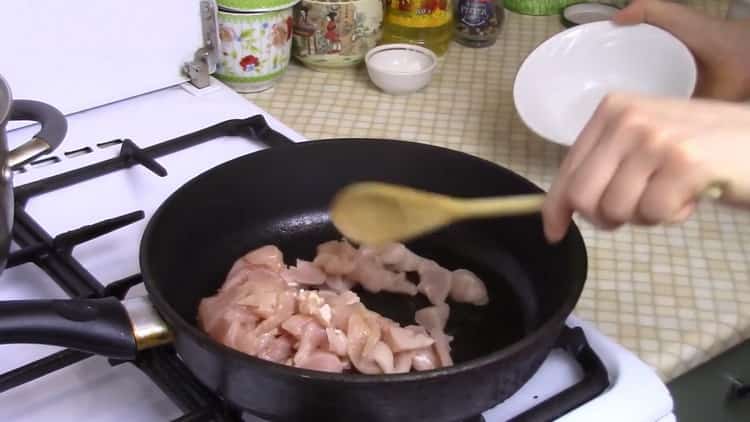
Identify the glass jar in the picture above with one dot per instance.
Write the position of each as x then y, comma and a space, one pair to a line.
478, 22
428, 23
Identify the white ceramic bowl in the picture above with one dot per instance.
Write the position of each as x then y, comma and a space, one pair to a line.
560, 84
400, 68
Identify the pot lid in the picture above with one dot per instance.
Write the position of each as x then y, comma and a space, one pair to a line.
5, 101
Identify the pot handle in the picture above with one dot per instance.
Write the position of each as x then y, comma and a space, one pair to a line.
49, 137
103, 326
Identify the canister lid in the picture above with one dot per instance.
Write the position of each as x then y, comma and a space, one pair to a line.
581, 13
254, 5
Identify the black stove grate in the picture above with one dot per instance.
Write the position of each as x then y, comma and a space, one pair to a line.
162, 365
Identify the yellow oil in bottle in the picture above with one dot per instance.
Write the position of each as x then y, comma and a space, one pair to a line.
428, 23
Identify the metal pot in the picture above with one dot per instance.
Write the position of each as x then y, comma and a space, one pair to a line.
49, 137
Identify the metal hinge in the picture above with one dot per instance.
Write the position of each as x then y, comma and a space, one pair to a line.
204, 61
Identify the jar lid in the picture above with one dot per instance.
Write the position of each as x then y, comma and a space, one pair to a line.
581, 13
254, 5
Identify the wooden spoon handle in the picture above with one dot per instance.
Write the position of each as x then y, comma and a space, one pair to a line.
501, 206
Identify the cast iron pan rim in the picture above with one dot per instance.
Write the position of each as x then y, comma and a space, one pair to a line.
550, 327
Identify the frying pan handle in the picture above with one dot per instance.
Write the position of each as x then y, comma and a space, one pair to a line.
104, 326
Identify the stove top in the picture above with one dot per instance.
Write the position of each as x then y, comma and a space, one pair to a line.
79, 217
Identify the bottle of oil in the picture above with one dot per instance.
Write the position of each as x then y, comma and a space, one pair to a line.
428, 23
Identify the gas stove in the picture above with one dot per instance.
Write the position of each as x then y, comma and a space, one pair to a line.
80, 213
89, 203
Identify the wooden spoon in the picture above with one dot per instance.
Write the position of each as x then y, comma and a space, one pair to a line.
374, 213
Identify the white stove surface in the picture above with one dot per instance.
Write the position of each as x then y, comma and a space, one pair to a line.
91, 389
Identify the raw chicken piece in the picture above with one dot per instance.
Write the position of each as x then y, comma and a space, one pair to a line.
310, 303
466, 287
417, 330
322, 361
402, 362
402, 339
211, 312
236, 277
374, 333
339, 284
345, 298
341, 314
284, 310
337, 342
434, 282
386, 322
358, 333
215, 313
237, 267
425, 359
313, 335
443, 347
234, 334
278, 349
304, 273
372, 276
264, 304
219, 328
433, 319
247, 280
238, 339
400, 284
383, 356
268, 256
296, 324
398, 257
337, 247
336, 257
242, 314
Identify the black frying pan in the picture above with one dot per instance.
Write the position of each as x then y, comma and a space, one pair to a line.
280, 196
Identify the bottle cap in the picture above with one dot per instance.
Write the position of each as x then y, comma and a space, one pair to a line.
581, 13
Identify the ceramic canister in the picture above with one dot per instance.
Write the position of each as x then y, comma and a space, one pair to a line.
255, 44
330, 34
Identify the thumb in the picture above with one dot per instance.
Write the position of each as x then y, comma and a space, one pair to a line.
633, 13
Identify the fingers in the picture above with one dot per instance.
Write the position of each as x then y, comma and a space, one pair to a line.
557, 211
684, 213
647, 160
609, 175
619, 202
672, 191
588, 183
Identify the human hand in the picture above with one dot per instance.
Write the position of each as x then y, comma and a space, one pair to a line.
719, 46
646, 160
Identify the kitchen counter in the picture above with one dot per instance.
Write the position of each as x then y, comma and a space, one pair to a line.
676, 296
